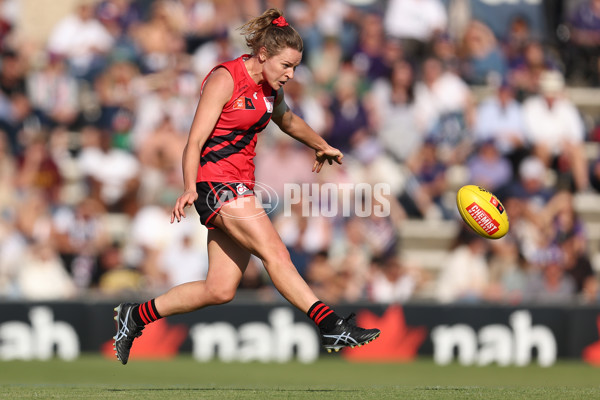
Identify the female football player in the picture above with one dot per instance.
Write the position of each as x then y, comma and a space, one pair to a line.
238, 100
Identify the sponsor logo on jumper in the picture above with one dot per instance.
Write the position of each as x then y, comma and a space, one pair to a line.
483, 219
269, 100
243, 103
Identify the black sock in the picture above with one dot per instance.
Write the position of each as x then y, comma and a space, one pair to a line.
145, 313
322, 315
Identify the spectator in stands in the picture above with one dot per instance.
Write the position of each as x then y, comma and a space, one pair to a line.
160, 38
391, 282
304, 231
488, 168
160, 156
327, 62
509, 271
112, 174
550, 284
13, 249
556, 133
369, 55
54, 93
79, 236
499, 118
15, 106
8, 168
42, 276
583, 51
37, 169
214, 52
525, 72
570, 236
117, 278
445, 49
155, 100
348, 116
317, 21
351, 252
269, 171
184, 260
595, 174
483, 61
591, 291
83, 40
444, 109
423, 193
117, 88
415, 22
32, 216
532, 187
124, 13
322, 278
464, 277
517, 38
525, 202
392, 111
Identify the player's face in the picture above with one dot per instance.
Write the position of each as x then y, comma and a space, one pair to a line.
279, 69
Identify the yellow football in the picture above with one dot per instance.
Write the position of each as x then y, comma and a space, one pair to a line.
482, 211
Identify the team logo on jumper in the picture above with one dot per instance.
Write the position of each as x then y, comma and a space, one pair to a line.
483, 219
269, 103
241, 188
243, 103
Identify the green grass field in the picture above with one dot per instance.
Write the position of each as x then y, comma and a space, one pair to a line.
93, 377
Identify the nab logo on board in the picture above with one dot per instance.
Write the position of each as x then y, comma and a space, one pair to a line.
39, 339
495, 343
256, 341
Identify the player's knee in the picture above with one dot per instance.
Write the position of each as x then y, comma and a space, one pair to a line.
278, 255
221, 295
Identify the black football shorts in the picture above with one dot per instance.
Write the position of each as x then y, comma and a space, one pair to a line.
214, 195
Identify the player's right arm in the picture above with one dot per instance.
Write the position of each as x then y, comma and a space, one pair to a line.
217, 91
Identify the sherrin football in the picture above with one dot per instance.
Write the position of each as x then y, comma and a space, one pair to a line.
482, 211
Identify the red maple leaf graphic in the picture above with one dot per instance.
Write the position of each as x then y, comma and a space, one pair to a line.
397, 342
160, 340
591, 354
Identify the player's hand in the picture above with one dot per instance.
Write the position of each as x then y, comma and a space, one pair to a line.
185, 200
330, 155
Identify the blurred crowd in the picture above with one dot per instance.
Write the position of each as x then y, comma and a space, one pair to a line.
418, 95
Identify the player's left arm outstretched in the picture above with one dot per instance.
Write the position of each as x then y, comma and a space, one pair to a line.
295, 126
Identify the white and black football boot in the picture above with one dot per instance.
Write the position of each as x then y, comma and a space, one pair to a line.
127, 331
346, 334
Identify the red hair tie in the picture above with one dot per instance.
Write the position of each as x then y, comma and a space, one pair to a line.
280, 21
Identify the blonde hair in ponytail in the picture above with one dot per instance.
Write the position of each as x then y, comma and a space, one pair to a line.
261, 31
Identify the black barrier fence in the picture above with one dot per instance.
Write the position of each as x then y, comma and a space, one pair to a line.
471, 335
